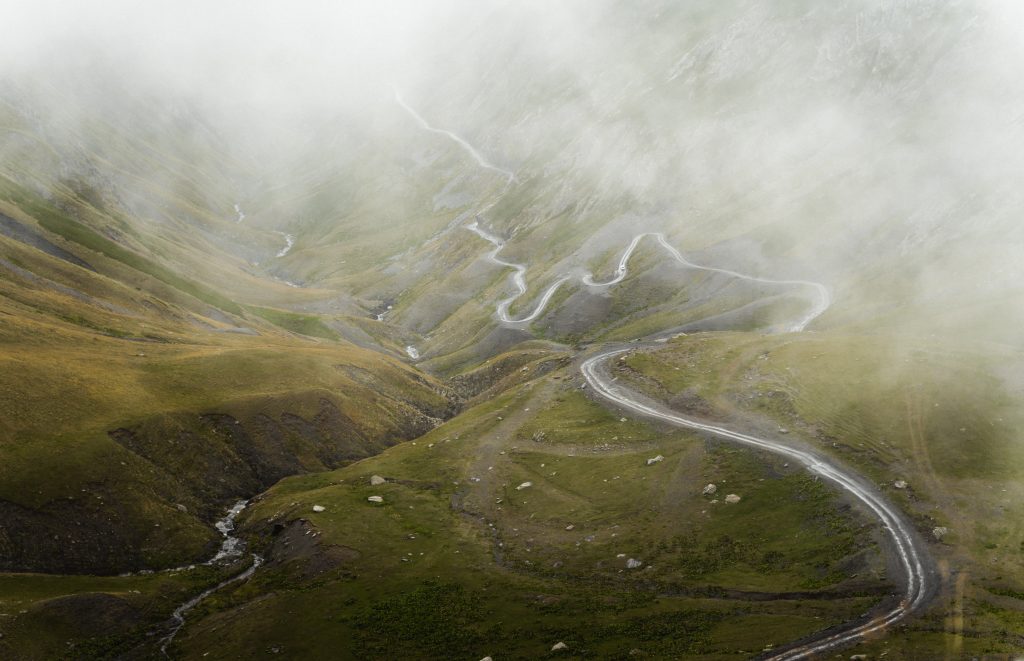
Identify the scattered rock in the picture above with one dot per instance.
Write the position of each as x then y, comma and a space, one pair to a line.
524, 485
940, 532
732, 498
900, 484
633, 563
559, 646
654, 460
710, 490
318, 508
375, 499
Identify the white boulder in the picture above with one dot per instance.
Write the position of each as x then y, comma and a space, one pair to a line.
559, 646
318, 508
524, 485
375, 499
710, 490
654, 460
732, 498
376, 480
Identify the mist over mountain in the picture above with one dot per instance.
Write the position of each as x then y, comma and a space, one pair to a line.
535, 275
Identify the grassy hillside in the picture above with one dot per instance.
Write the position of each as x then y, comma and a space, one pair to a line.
460, 559
933, 422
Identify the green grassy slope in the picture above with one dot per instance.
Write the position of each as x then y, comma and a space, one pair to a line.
458, 561
939, 415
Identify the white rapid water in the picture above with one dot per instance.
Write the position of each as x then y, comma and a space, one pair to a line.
226, 526
229, 549
477, 156
289, 241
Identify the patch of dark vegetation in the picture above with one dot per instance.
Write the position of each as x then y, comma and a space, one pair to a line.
668, 634
196, 465
304, 324
436, 620
68, 536
692, 403
504, 372
443, 410
15, 230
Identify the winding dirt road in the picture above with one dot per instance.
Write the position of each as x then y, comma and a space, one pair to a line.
913, 560
912, 557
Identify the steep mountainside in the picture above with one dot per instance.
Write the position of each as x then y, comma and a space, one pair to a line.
359, 317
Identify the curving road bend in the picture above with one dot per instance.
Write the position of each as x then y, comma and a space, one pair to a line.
289, 241
518, 279
822, 299
912, 558
470, 149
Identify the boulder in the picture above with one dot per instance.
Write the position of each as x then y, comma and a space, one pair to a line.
633, 563
654, 460
524, 485
709, 490
900, 484
376, 480
318, 508
732, 498
559, 646
375, 499
940, 532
